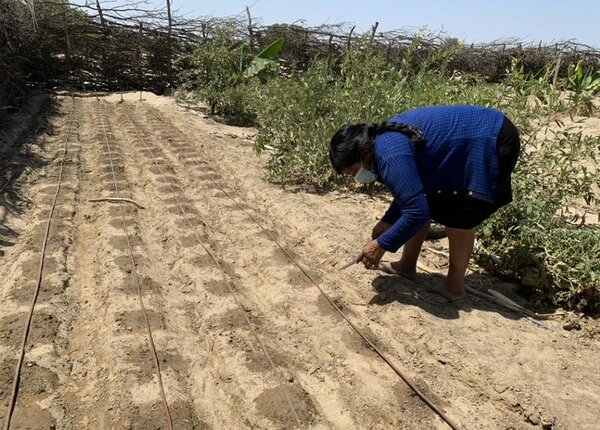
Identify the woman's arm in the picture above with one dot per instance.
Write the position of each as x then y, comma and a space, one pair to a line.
415, 214
393, 213
397, 168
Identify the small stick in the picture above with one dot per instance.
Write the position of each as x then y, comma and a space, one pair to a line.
348, 264
116, 200
529, 313
541, 324
508, 304
440, 253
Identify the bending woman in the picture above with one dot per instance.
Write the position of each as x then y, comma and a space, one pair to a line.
450, 164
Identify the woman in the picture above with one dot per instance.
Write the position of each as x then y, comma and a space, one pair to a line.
450, 164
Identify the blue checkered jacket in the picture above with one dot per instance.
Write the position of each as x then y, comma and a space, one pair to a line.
460, 156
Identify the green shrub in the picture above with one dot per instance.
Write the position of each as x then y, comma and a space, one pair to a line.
221, 73
531, 240
297, 116
237, 106
210, 70
583, 83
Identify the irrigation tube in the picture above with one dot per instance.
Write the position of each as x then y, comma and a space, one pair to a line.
17, 376
399, 372
139, 288
228, 282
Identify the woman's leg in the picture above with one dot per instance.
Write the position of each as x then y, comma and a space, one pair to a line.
407, 265
453, 289
461, 246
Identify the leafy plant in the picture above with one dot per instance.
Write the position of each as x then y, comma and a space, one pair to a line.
531, 240
220, 75
297, 116
212, 69
263, 61
581, 80
583, 83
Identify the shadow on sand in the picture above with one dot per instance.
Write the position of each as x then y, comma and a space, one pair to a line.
19, 130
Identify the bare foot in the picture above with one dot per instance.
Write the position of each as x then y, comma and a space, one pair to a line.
397, 268
441, 296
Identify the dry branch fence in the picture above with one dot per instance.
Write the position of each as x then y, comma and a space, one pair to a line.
122, 45
490, 60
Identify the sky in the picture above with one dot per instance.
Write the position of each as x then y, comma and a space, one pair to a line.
469, 20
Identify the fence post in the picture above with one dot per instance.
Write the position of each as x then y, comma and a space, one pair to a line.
373, 32
139, 55
203, 27
556, 70
350, 37
68, 55
169, 47
100, 14
33, 17
68, 43
250, 31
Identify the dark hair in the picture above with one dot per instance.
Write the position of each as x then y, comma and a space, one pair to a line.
348, 143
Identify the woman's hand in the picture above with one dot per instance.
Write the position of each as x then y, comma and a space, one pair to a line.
371, 255
380, 228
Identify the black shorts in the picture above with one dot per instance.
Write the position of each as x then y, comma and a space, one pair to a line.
466, 212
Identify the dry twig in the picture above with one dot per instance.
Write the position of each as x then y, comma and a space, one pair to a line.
117, 200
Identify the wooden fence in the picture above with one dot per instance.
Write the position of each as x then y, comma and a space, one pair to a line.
127, 45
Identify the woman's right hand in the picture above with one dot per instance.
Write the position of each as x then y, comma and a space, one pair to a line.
380, 228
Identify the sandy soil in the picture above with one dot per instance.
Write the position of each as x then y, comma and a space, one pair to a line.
88, 364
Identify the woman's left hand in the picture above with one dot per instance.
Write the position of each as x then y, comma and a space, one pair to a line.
371, 255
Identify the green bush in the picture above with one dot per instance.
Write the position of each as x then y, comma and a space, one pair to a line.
532, 240
210, 71
221, 73
583, 83
297, 116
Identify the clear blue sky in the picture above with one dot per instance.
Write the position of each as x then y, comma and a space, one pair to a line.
469, 20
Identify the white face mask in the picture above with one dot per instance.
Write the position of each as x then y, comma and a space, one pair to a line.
364, 176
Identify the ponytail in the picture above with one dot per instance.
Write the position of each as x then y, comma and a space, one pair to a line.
415, 135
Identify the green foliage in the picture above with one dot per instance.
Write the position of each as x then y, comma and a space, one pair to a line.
532, 240
295, 120
218, 73
528, 97
263, 61
297, 116
212, 70
583, 83
581, 80
237, 104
